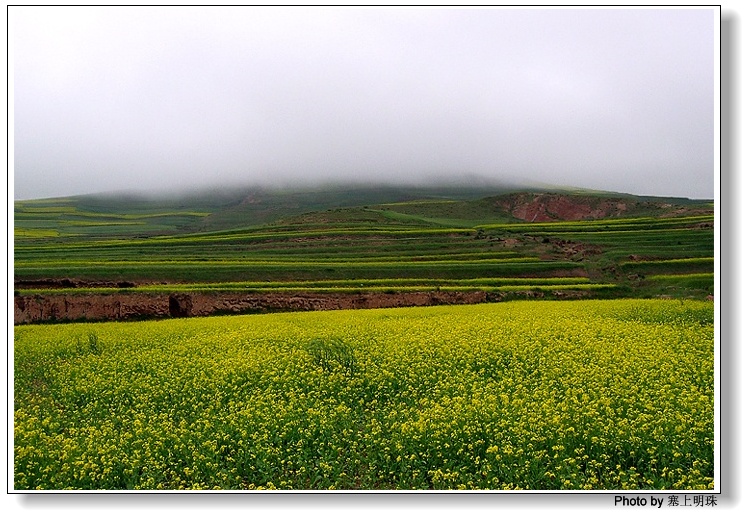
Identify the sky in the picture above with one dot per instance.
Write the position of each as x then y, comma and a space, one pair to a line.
161, 99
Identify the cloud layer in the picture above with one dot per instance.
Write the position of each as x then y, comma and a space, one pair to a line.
163, 98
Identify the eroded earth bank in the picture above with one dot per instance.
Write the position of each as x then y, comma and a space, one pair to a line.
123, 306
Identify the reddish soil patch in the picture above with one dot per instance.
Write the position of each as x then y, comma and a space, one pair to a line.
120, 306
556, 207
124, 306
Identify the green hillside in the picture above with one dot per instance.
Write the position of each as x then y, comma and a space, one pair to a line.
376, 238
106, 215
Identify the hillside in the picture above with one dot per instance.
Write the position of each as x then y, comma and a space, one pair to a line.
169, 256
526, 206
136, 215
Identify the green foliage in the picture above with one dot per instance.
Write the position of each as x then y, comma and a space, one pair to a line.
93, 344
670, 266
333, 355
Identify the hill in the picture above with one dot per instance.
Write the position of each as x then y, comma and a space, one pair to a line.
140, 215
131, 214
211, 252
509, 207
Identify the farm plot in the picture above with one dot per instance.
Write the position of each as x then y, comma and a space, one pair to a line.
636, 252
618, 239
273, 255
561, 395
68, 220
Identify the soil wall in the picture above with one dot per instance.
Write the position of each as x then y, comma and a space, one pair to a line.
124, 306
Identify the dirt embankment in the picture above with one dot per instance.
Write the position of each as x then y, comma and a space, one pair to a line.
542, 207
556, 207
124, 306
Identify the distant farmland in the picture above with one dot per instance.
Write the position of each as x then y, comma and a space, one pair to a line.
623, 248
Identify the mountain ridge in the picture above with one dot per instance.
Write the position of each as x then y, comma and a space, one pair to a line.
226, 209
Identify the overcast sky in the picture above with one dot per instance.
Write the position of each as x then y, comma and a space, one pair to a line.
164, 98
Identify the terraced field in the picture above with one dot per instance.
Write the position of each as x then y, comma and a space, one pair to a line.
69, 246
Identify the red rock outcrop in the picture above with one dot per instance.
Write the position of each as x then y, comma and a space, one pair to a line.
557, 207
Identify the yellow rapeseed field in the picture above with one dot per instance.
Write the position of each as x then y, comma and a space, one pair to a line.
614, 394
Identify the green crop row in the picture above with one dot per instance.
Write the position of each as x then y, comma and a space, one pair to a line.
704, 281
670, 266
196, 288
34, 232
604, 224
197, 272
72, 264
297, 241
67, 212
347, 286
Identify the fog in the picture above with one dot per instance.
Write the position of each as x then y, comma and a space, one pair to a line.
171, 98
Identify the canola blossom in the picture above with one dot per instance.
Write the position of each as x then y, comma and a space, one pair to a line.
594, 394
